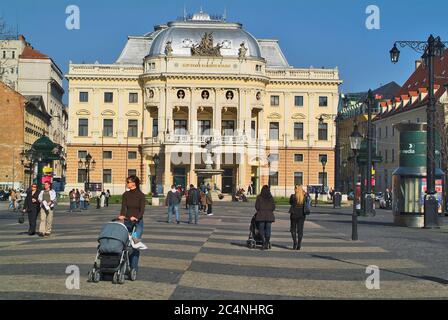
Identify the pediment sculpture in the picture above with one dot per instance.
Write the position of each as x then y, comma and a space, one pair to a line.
206, 48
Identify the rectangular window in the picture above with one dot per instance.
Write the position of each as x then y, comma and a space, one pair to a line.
386, 156
323, 178
107, 175
83, 97
393, 131
82, 154
83, 127
227, 128
298, 158
298, 101
107, 154
323, 101
133, 128
204, 128
387, 132
180, 127
323, 131
274, 131
155, 128
132, 172
273, 178
108, 127
132, 155
275, 101
4, 54
108, 97
298, 178
133, 97
13, 54
82, 175
253, 129
298, 130
393, 155
379, 133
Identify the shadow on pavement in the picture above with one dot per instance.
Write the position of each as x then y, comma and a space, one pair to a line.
427, 278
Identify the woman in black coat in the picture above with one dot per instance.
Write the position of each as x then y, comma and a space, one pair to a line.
265, 207
297, 216
32, 206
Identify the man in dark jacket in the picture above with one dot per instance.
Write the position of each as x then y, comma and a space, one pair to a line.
172, 201
193, 202
32, 207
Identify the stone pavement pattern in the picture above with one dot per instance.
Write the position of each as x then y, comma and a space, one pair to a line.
206, 261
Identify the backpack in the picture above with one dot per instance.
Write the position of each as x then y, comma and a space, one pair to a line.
307, 208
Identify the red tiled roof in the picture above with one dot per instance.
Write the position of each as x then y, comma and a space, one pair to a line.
418, 83
30, 53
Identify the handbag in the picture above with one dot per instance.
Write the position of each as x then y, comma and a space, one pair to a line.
21, 217
307, 207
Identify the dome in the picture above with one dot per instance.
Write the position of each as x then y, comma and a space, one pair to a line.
184, 34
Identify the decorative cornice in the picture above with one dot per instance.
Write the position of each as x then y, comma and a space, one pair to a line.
83, 112
108, 113
298, 116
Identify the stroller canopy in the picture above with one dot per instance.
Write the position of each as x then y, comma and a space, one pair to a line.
115, 231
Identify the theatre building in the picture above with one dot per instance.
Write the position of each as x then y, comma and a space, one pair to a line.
189, 80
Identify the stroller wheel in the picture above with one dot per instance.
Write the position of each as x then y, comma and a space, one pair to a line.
121, 278
90, 275
115, 278
133, 275
96, 276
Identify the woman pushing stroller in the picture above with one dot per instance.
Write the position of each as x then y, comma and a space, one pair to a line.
132, 211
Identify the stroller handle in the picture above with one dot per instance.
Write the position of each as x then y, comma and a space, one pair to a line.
126, 219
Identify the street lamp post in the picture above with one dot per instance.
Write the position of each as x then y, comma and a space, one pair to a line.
323, 160
369, 200
88, 164
156, 160
433, 47
355, 144
269, 172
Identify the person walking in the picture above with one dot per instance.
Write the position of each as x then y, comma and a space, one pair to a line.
86, 200
31, 206
209, 202
172, 201
82, 200
316, 197
107, 197
103, 199
72, 197
78, 200
12, 200
297, 216
388, 198
203, 202
47, 199
265, 207
131, 214
193, 204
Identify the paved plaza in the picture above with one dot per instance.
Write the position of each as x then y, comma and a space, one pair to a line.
211, 260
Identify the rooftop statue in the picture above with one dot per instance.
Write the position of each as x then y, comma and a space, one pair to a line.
168, 49
242, 51
206, 48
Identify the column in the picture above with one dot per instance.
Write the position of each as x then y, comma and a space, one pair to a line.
193, 117
162, 109
192, 174
217, 116
311, 128
120, 127
241, 112
242, 172
168, 179
247, 115
218, 178
96, 126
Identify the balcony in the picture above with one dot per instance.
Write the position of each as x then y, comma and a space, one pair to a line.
171, 139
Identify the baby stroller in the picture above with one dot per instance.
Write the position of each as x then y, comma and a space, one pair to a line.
113, 253
254, 235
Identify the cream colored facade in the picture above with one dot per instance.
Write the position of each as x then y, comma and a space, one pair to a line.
175, 116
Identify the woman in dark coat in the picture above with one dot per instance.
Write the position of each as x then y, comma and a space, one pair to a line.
32, 207
297, 215
265, 207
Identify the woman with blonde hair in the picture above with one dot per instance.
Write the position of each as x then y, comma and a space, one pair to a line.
297, 216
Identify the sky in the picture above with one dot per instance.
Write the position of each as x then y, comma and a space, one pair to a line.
318, 33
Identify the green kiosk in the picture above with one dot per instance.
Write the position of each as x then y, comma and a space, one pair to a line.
409, 180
